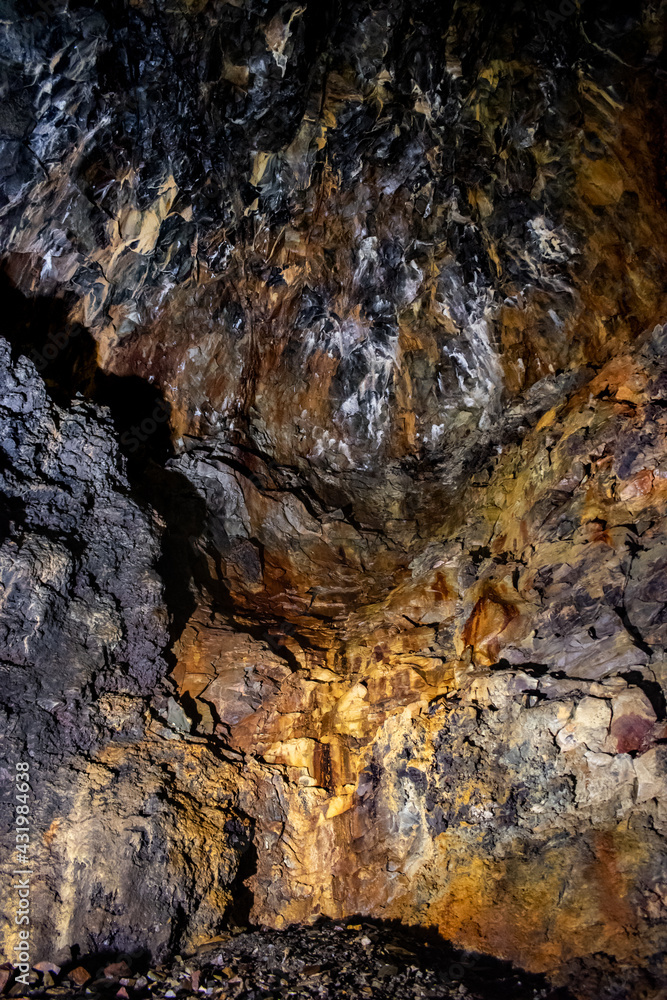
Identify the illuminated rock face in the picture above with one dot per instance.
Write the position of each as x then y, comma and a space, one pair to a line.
362, 603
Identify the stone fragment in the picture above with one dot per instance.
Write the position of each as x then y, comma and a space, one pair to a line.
79, 975
177, 718
588, 727
312, 970
387, 970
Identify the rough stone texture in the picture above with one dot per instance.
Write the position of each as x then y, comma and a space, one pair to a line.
374, 296
366, 959
123, 821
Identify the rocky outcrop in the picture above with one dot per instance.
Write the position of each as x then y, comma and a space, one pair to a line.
497, 722
334, 476
113, 801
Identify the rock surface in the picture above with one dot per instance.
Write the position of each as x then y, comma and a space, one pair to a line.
84, 630
334, 474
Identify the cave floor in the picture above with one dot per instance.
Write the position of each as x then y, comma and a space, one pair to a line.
351, 959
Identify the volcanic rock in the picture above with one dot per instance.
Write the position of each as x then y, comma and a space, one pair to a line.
333, 481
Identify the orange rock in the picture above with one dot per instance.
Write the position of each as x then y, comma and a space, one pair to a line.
490, 616
117, 970
79, 976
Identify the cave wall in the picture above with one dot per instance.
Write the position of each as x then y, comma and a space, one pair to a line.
333, 404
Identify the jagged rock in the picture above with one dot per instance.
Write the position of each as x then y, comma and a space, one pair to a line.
84, 632
332, 414
79, 976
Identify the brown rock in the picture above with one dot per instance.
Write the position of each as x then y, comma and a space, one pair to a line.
312, 970
80, 976
116, 970
47, 967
